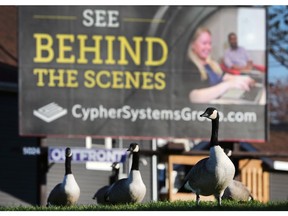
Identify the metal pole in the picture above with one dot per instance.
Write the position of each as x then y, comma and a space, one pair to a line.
42, 172
154, 172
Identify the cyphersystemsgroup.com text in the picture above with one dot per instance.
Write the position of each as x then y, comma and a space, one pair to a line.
126, 112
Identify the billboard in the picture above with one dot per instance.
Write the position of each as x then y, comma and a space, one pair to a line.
128, 71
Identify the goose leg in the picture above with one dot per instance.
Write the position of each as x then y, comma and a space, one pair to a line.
197, 199
219, 200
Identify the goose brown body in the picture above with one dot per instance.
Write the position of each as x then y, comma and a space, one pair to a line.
99, 196
208, 177
237, 191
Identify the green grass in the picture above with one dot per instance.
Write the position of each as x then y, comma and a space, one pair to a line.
164, 206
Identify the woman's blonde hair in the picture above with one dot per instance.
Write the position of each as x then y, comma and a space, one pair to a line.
194, 58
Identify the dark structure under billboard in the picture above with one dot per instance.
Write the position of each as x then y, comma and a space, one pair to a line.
121, 71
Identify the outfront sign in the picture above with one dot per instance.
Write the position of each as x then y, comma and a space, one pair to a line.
82, 155
121, 71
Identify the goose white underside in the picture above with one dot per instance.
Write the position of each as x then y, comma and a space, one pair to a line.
128, 190
65, 193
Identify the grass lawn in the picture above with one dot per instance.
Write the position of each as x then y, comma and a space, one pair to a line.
164, 206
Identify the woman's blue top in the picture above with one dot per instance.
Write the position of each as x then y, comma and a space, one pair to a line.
214, 78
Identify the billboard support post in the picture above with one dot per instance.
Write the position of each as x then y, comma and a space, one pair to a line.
42, 173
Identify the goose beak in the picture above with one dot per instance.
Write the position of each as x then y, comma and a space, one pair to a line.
204, 115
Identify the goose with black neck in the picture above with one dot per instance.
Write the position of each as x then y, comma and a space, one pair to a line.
211, 175
131, 189
67, 192
99, 196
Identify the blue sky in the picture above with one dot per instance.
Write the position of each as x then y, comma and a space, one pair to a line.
276, 71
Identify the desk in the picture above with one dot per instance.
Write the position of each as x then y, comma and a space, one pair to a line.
260, 101
236, 96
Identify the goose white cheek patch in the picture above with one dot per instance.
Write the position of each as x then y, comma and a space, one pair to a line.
136, 149
213, 115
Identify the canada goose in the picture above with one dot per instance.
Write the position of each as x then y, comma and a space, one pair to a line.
99, 195
67, 192
211, 175
115, 173
237, 191
131, 189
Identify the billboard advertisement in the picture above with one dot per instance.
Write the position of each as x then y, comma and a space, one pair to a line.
141, 71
